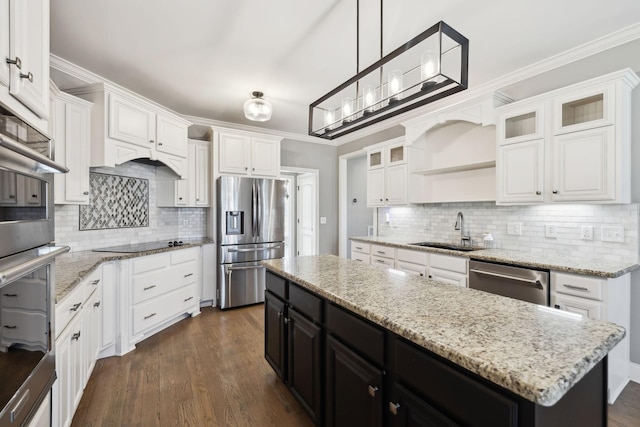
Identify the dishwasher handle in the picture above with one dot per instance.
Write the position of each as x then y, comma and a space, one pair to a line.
534, 283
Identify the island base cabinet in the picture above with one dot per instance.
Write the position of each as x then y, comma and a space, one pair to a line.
408, 410
274, 333
354, 389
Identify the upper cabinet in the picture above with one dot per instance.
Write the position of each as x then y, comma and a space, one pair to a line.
24, 50
125, 126
194, 190
69, 126
246, 153
387, 174
569, 145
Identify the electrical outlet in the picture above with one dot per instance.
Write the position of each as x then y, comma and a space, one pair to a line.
514, 228
612, 234
550, 231
586, 232
323, 220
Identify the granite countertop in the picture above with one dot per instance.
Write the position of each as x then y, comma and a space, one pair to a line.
536, 352
549, 260
72, 268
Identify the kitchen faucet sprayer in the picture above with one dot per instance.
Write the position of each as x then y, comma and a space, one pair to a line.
459, 225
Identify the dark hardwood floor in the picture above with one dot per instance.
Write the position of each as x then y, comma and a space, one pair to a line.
211, 371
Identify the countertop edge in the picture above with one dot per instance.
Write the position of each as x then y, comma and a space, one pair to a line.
486, 255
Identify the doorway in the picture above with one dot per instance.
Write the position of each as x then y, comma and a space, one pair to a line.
301, 211
359, 216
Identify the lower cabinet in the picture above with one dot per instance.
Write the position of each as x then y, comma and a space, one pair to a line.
42, 417
409, 410
294, 342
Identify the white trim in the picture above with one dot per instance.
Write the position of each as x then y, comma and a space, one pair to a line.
342, 200
634, 372
316, 174
74, 70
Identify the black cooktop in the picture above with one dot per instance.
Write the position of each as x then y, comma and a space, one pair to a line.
141, 247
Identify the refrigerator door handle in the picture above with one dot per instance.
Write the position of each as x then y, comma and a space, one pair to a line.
255, 249
251, 267
259, 210
254, 208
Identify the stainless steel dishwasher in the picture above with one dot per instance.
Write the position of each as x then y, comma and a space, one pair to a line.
515, 282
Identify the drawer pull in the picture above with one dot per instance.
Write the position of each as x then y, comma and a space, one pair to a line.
75, 306
11, 326
187, 299
95, 282
359, 247
19, 406
96, 304
393, 408
149, 287
380, 261
372, 391
149, 316
382, 252
577, 288
359, 260
187, 275
75, 336
10, 295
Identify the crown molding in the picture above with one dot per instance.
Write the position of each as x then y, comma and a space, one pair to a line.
201, 121
74, 70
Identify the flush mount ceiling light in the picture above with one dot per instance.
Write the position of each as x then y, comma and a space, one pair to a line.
431, 66
257, 109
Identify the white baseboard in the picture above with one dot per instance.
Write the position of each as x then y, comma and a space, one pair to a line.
634, 371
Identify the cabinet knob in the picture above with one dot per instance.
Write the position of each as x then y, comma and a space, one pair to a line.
12, 196
159, 143
381, 200
430, 277
179, 198
17, 62
76, 336
28, 76
197, 199
372, 390
86, 193
151, 141
538, 193
96, 304
421, 274
393, 408
387, 200
555, 191
246, 168
253, 169
35, 196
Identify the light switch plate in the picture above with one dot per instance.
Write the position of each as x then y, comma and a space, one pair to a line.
550, 231
586, 232
514, 228
612, 234
323, 220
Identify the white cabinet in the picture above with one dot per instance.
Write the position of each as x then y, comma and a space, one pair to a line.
78, 338
42, 417
449, 269
569, 145
412, 262
69, 126
361, 252
387, 174
194, 190
24, 43
125, 126
383, 255
244, 153
601, 299
163, 287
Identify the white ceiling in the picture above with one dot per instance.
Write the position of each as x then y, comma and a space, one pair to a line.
204, 57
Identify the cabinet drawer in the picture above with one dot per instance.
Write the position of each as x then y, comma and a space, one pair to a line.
154, 283
183, 255
376, 260
155, 311
411, 268
69, 307
26, 293
360, 247
358, 334
383, 251
581, 286
450, 277
361, 257
277, 285
585, 307
92, 281
151, 262
25, 327
414, 257
458, 396
305, 303
451, 263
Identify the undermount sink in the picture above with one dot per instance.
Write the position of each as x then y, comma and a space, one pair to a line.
449, 246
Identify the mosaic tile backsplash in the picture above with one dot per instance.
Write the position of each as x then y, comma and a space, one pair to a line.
115, 202
164, 223
435, 222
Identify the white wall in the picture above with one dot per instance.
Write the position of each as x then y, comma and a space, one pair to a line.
359, 216
164, 223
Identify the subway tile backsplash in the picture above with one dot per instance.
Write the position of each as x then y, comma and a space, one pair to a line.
164, 223
435, 222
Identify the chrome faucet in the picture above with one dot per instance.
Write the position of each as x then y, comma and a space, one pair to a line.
464, 238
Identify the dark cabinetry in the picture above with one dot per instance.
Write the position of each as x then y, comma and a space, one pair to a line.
293, 341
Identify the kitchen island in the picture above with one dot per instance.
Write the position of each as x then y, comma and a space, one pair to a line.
433, 351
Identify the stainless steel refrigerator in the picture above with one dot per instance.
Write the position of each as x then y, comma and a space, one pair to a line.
250, 214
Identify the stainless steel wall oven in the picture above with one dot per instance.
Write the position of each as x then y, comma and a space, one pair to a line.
27, 254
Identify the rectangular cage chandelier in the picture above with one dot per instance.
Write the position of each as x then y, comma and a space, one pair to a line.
429, 67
